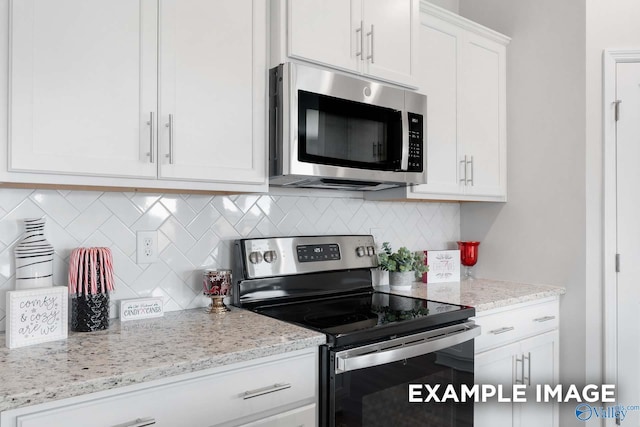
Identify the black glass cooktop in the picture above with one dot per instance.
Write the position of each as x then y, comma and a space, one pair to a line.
367, 316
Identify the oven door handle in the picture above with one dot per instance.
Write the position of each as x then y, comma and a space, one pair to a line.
404, 347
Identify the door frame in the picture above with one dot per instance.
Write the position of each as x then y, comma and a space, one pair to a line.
610, 59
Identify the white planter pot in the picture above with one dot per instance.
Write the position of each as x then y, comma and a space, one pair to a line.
401, 281
379, 277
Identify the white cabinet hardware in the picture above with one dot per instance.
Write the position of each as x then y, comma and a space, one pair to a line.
169, 124
152, 144
544, 319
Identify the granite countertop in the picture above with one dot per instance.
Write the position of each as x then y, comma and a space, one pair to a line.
142, 350
482, 294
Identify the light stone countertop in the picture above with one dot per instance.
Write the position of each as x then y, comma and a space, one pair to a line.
142, 350
482, 294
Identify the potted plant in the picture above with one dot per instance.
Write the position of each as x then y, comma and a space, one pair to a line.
403, 266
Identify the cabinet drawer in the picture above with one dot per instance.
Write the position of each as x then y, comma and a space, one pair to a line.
201, 401
507, 326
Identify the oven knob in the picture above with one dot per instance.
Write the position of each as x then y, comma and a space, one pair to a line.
371, 251
360, 251
255, 257
270, 256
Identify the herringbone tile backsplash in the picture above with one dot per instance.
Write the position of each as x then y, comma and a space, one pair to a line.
196, 232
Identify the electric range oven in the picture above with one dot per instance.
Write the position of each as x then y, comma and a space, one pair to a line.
377, 343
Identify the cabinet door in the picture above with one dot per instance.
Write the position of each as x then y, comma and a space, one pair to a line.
326, 32
213, 90
391, 34
482, 115
299, 417
83, 79
541, 367
438, 79
495, 367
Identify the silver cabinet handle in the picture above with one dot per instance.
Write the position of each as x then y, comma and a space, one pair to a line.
371, 57
544, 319
502, 330
361, 33
170, 126
139, 422
264, 390
470, 162
151, 129
527, 359
521, 379
464, 167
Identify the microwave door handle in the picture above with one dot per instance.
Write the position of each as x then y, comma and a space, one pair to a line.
350, 360
404, 160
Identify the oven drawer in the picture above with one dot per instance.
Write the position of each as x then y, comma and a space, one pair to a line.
503, 326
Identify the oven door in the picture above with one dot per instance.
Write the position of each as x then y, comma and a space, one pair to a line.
369, 385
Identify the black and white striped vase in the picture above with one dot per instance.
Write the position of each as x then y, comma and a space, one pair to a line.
34, 257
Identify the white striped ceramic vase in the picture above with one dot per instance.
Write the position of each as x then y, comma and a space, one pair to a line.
34, 257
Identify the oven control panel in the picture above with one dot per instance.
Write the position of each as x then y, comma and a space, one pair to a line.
314, 253
281, 256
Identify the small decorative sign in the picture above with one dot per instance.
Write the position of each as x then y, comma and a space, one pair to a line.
141, 308
36, 315
444, 266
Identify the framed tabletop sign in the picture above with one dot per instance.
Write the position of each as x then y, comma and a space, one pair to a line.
444, 266
36, 315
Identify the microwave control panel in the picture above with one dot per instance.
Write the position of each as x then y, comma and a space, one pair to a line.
415, 142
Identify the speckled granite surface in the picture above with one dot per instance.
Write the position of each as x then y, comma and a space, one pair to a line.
142, 350
483, 294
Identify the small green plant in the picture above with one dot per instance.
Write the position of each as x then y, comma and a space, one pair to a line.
401, 261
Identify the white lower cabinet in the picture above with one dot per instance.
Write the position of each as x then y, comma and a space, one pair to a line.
269, 392
518, 346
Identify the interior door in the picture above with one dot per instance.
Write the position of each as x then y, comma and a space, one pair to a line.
628, 231
83, 80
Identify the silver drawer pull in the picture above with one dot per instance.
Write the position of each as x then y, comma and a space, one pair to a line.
502, 330
139, 422
544, 319
264, 390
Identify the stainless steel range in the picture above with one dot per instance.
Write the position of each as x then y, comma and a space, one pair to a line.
377, 343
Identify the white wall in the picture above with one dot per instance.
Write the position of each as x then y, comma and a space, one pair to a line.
539, 235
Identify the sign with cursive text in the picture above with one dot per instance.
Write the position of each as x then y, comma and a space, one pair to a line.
141, 308
36, 315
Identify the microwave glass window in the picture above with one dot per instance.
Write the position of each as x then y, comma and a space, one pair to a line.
345, 133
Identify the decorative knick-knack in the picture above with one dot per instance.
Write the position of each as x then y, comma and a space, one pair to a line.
90, 281
34, 257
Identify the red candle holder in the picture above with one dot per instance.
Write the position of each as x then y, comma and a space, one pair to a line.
216, 284
468, 257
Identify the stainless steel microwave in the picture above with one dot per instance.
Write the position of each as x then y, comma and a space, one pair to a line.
329, 130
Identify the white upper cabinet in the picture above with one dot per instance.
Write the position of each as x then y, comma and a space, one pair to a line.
483, 115
146, 94
462, 71
323, 31
83, 87
376, 38
390, 30
212, 95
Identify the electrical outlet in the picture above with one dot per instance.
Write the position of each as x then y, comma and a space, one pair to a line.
147, 247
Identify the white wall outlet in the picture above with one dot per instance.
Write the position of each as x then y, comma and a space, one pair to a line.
147, 247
